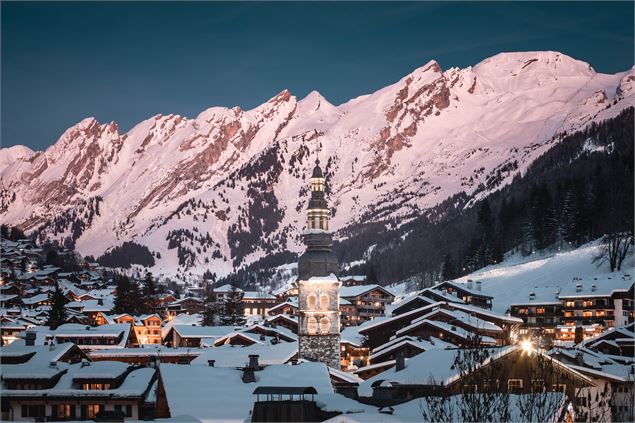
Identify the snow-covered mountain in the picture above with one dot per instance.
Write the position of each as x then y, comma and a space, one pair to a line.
230, 186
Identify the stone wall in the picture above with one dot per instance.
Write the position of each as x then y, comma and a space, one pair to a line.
322, 348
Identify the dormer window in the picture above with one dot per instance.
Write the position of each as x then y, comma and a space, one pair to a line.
95, 386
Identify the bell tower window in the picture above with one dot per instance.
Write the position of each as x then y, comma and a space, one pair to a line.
324, 302
325, 324
311, 325
311, 301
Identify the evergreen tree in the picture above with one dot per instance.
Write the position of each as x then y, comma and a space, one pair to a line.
233, 308
122, 303
4, 231
579, 335
150, 294
449, 270
129, 298
57, 315
210, 312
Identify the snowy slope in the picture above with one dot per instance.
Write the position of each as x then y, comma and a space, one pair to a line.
229, 186
12, 154
513, 280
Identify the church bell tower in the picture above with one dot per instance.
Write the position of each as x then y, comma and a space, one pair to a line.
318, 285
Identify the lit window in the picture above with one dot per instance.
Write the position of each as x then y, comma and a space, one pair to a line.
311, 325
324, 302
325, 325
93, 409
311, 301
64, 410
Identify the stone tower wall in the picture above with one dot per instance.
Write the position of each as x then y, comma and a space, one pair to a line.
322, 348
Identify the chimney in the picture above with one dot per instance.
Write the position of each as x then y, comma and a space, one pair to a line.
210, 363
594, 287
85, 363
253, 361
444, 291
532, 296
30, 339
478, 286
400, 361
470, 283
262, 337
578, 287
248, 375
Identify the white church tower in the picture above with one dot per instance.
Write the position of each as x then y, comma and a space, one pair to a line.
318, 285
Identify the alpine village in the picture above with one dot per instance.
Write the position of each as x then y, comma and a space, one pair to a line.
456, 246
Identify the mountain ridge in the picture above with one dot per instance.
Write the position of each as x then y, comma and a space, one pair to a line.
428, 136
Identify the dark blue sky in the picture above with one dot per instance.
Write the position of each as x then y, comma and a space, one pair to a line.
128, 61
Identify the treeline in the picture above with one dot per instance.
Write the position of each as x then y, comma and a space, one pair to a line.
579, 190
127, 254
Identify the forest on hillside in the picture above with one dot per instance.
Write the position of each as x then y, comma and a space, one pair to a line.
579, 190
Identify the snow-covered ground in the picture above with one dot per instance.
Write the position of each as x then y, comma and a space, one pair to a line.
515, 278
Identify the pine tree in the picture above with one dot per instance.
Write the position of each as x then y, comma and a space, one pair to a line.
150, 295
449, 270
122, 300
579, 335
57, 315
129, 298
210, 312
233, 308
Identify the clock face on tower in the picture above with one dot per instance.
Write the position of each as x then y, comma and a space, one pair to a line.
318, 285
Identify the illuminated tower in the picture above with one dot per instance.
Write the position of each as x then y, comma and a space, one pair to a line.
318, 286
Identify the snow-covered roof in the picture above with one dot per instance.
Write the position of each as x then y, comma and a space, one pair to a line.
423, 344
74, 330
196, 389
355, 291
227, 288
36, 299
463, 286
258, 295
87, 306
467, 319
135, 385
40, 354
238, 356
191, 331
101, 370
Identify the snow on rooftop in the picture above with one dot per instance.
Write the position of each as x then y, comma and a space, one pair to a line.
354, 291
432, 365
101, 370
238, 356
191, 331
195, 390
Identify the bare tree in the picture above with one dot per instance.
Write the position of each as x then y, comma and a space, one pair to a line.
484, 397
614, 249
438, 408
623, 405
539, 405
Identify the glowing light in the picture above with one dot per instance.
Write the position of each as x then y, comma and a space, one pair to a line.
527, 346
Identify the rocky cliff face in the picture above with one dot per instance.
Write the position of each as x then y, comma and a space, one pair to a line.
229, 186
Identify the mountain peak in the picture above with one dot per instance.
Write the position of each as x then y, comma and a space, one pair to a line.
431, 66
282, 96
11, 154
515, 63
